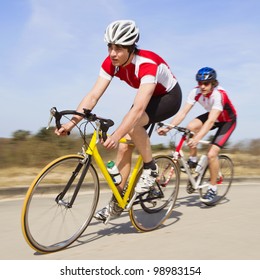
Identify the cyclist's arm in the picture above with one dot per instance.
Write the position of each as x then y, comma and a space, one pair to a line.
88, 102
91, 99
136, 114
178, 118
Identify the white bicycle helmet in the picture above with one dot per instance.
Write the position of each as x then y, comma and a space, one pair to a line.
122, 32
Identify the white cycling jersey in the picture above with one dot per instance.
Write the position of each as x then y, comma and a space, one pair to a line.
217, 99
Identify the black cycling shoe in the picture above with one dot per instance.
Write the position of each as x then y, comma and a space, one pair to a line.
189, 188
191, 164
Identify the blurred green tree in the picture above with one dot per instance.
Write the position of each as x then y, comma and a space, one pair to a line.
21, 135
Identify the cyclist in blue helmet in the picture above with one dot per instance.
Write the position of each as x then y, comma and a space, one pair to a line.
221, 114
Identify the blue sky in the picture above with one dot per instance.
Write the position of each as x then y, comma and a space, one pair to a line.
51, 52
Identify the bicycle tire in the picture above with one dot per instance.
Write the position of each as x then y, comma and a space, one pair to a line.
48, 224
152, 208
226, 173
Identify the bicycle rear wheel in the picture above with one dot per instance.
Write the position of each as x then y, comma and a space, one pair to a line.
152, 208
225, 177
49, 222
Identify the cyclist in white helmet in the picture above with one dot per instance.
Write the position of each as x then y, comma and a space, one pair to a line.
158, 97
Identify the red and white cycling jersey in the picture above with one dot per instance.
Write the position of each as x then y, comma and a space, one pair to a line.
146, 67
218, 99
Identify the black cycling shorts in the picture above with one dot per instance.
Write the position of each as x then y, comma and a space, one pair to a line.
224, 131
164, 106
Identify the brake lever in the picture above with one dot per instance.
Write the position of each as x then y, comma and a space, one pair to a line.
49, 122
190, 134
52, 113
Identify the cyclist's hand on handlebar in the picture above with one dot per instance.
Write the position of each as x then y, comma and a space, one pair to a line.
111, 142
61, 131
193, 142
163, 130
64, 130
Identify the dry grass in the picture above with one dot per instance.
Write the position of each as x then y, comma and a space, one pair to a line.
245, 166
17, 176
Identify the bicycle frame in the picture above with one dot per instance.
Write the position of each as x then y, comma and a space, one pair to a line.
179, 155
92, 150
100, 131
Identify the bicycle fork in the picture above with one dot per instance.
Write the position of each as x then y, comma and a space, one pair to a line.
59, 199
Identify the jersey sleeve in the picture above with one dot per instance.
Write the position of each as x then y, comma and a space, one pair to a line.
148, 73
104, 74
107, 69
191, 97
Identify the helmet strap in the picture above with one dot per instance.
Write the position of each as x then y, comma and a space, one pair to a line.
129, 54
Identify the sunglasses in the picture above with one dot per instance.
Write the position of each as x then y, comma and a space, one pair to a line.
205, 83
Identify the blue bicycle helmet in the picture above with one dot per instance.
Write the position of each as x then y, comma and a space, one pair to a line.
206, 74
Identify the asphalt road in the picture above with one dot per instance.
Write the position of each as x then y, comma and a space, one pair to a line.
229, 231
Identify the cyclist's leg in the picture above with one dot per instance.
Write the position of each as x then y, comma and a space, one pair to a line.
123, 161
158, 109
213, 163
164, 106
195, 125
221, 137
124, 156
223, 133
141, 139
224, 181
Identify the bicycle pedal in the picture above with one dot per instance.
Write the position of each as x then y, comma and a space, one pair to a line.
220, 181
106, 221
153, 203
190, 189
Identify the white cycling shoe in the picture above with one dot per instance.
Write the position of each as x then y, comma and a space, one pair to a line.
147, 180
112, 210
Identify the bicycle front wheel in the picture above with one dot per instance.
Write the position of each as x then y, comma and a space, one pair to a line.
224, 181
55, 211
152, 208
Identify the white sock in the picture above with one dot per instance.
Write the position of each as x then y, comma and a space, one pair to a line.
214, 188
194, 159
